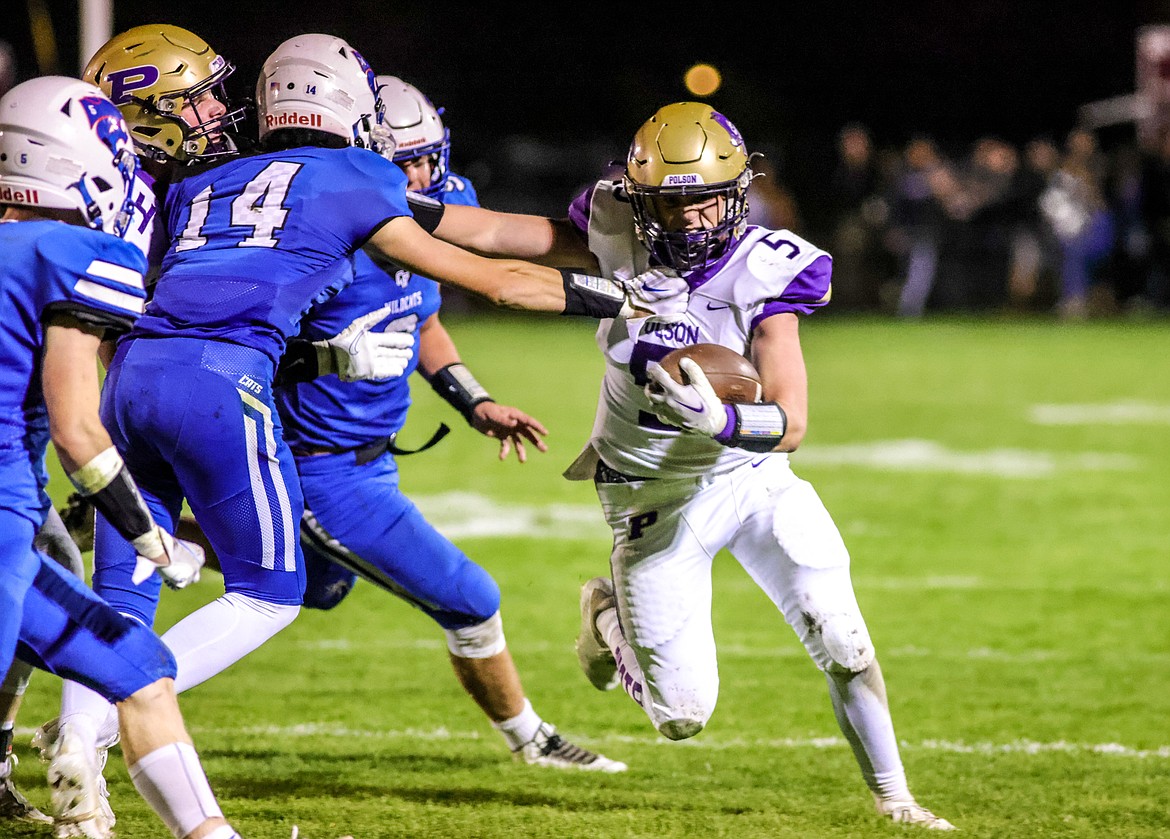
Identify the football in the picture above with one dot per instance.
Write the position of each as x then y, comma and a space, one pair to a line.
734, 378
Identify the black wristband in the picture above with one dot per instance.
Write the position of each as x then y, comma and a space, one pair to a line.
460, 389
122, 505
759, 426
298, 364
593, 297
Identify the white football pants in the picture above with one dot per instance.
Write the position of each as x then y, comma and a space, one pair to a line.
666, 535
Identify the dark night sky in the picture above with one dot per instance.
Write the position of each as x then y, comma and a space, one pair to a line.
793, 73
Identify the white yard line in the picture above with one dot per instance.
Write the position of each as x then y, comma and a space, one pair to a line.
1025, 747
783, 645
1128, 412
930, 456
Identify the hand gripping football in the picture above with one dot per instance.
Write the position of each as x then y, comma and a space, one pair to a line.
734, 378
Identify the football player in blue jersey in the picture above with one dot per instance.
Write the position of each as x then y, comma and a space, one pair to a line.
168, 83
66, 171
682, 476
357, 520
256, 241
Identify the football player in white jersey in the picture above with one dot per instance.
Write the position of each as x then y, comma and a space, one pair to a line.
680, 475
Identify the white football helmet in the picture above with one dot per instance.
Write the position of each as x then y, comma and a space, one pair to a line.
321, 83
64, 145
417, 128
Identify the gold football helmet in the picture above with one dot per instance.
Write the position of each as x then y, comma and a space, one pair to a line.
688, 156
152, 73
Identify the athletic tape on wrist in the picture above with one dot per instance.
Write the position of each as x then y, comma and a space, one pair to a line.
758, 426
591, 296
107, 483
97, 474
460, 389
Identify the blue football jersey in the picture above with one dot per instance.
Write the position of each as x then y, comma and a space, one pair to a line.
330, 413
256, 240
51, 267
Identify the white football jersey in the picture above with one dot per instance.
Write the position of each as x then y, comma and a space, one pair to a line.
764, 273
146, 231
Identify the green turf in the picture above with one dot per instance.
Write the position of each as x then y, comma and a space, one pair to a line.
1020, 618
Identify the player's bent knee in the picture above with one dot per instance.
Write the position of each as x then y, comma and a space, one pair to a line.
680, 729
847, 643
483, 640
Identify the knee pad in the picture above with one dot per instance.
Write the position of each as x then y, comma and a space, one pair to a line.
680, 729
483, 640
845, 641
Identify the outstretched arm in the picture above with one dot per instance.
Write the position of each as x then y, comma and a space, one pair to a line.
508, 283
539, 239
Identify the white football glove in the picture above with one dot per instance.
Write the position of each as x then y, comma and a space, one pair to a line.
357, 353
659, 292
691, 407
178, 566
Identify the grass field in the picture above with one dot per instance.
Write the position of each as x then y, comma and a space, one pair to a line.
1004, 489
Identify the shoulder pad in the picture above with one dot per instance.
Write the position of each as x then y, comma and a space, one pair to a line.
779, 264
90, 269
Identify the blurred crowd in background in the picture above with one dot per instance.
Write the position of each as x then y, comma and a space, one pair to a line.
1057, 225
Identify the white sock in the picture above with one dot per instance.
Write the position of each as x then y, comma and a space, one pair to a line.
213, 638
172, 781
78, 700
859, 702
521, 728
629, 671
225, 831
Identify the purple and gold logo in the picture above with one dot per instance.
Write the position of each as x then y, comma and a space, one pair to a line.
123, 83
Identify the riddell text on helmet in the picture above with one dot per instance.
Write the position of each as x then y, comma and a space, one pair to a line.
8, 195
293, 118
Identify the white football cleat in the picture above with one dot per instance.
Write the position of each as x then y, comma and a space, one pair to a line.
77, 789
593, 654
547, 748
909, 811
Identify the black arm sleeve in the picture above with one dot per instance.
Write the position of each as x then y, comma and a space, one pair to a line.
122, 505
594, 297
427, 211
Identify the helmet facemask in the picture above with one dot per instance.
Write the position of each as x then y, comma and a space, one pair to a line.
202, 138
662, 229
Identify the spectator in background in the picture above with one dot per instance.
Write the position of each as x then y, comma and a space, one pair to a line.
770, 203
1074, 204
860, 211
980, 211
1155, 213
916, 220
1035, 249
1131, 241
